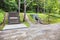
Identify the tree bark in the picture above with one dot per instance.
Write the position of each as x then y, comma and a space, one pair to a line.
19, 6
24, 11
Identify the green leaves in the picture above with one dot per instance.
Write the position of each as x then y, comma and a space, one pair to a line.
47, 5
11, 5
51, 5
1, 16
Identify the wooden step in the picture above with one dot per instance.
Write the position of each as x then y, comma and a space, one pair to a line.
13, 21
13, 14
13, 18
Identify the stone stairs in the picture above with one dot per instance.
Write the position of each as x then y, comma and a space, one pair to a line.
13, 18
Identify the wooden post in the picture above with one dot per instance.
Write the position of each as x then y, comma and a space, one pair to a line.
24, 10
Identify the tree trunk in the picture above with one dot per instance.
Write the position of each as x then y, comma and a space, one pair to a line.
24, 11
19, 6
38, 9
19, 9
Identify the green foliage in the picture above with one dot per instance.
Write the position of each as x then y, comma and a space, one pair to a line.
1, 16
51, 6
11, 5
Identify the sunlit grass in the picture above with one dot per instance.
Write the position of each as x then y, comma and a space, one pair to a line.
26, 23
1, 27
21, 20
1, 16
2, 13
53, 18
31, 18
21, 17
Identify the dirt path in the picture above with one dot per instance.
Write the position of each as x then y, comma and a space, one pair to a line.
42, 32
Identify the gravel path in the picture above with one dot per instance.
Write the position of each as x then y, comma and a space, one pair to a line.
36, 32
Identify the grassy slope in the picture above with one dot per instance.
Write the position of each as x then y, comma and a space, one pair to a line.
1, 19
1, 27
21, 20
1, 16
55, 18
31, 19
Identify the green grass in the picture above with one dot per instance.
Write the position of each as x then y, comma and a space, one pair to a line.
40, 15
1, 16
31, 19
1, 19
55, 18
26, 23
1, 27
21, 17
21, 20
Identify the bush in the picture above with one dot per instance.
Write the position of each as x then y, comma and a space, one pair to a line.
1, 16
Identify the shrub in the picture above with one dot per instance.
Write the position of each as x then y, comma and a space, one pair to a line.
1, 16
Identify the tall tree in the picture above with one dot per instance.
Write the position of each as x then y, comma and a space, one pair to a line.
24, 10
